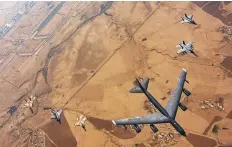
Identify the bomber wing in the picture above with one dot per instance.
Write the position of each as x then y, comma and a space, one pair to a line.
174, 101
154, 118
190, 44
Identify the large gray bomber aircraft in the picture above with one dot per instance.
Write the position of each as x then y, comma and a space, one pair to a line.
165, 115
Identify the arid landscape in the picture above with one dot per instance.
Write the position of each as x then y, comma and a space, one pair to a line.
83, 57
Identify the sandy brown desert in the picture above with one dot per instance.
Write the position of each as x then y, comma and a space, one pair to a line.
83, 57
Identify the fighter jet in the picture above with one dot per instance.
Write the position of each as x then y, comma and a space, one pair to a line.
165, 115
55, 113
186, 48
29, 103
188, 19
81, 122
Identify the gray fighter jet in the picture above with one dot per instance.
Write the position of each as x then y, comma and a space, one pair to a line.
188, 19
166, 115
55, 113
186, 48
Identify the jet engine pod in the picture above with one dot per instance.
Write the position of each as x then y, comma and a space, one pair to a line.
186, 92
154, 128
182, 106
137, 128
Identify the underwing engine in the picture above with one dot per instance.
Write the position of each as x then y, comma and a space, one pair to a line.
182, 106
186, 92
153, 128
137, 128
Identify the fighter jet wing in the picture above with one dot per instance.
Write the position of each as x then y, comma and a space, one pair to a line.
190, 16
59, 111
154, 118
173, 103
181, 51
137, 89
189, 44
53, 116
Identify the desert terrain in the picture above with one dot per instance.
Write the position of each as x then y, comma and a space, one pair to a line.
83, 57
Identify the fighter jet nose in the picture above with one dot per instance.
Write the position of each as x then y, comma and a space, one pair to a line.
184, 70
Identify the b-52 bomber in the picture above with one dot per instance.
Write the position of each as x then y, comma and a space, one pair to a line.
188, 19
186, 48
55, 114
165, 115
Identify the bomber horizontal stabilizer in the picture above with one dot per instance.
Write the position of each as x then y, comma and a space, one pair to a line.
137, 89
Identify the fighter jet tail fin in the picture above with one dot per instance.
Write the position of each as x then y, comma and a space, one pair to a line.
185, 15
137, 89
183, 42
182, 22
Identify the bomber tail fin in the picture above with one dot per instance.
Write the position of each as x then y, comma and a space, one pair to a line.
137, 89
46, 108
